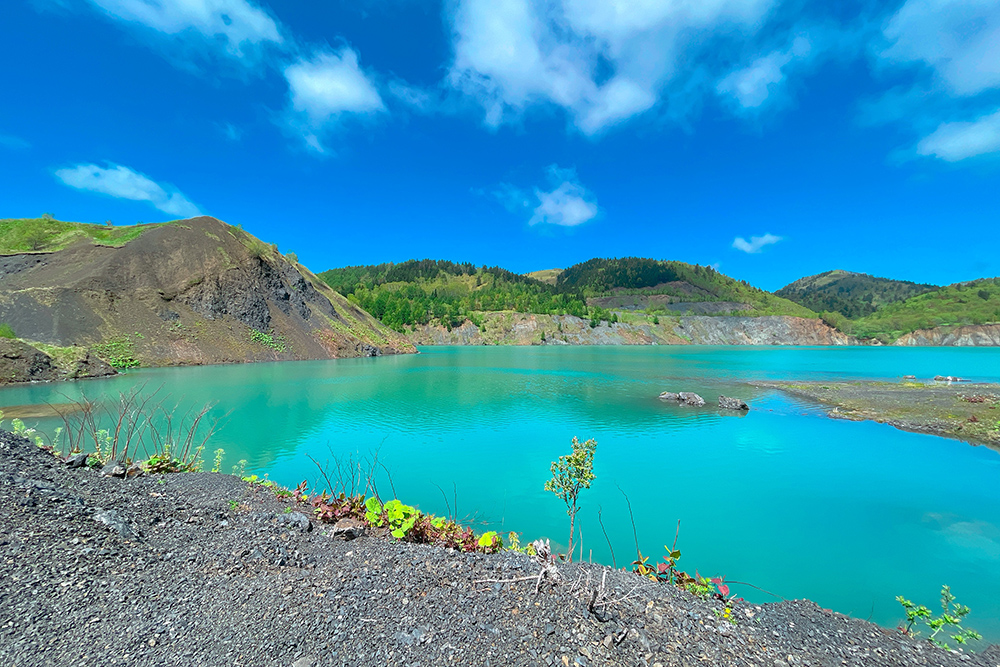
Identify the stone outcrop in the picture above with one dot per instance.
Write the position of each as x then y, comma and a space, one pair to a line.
971, 335
685, 397
21, 362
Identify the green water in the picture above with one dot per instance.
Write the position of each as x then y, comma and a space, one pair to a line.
847, 514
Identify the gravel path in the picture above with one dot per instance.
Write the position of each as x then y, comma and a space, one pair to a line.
203, 569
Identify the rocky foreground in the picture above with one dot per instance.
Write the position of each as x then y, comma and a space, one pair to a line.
204, 569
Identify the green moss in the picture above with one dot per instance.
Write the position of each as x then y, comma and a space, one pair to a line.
19, 235
6, 331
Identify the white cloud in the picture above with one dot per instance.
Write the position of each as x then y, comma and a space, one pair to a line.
604, 61
123, 183
756, 243
324, 89
958, 39
755, 84
960, 140
569, 204
238, 24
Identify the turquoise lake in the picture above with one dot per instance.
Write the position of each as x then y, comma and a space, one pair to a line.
847, 514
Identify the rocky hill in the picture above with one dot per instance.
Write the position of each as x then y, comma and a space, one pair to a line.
195, 291
853, 295
510, 328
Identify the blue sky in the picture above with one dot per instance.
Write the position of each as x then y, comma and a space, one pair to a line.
772, 138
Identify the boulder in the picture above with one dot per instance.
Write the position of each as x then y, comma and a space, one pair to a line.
669, 396
113, 469
296, 520
77, 460
691, 398
948, 378
728, 403
348, 528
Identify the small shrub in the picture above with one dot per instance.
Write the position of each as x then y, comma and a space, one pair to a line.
120, 353
268, 339
6, 331
570, 475
950, 619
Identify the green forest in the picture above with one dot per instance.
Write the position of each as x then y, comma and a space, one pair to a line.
976, 302
424, 291
853, 295
418, 292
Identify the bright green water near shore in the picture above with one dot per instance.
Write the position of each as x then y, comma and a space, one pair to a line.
847, 514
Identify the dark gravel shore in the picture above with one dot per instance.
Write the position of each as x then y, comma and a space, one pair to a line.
203, 569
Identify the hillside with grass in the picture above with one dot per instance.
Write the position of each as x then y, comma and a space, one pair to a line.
194, 291
420, 293
852, 295
962, 304
46, 234
670, 286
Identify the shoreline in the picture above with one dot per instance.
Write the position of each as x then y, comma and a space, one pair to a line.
191, 568
964, 411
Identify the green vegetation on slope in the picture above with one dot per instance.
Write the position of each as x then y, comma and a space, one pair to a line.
597, 277
425, 291
45, 234
853, 295
976, 302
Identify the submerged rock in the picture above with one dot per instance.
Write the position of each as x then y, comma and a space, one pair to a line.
728, 403
686, 397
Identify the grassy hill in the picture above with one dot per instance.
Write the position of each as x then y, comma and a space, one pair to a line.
424, 291
429, 291
853, 295
976, 302
682, 283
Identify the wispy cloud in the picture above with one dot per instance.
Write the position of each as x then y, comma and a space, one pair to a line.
123, 183
604, 62
960, 140
753, 85
324, 89
756, 243
240, 26
13, 143
567, 203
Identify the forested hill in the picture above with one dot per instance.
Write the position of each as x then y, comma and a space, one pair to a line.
683, 283
425, 291
976, 302
418, 292
853, 295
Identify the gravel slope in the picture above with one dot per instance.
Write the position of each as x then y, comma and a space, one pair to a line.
202, 569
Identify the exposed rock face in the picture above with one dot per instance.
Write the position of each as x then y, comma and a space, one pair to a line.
728, 403
189, 292
971, 335
507, 328
20, 362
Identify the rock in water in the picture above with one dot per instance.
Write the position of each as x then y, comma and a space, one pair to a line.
727, 403
669, 396
691, 398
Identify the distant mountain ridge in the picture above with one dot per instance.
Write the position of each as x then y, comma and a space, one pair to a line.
853, 295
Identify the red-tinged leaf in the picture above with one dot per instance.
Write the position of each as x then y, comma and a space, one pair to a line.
661, 568
724, 590
716, 580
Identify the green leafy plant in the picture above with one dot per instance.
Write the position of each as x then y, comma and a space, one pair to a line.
233, 505
268, 339
120, 353
950, 620
217, 463
6, 331
240, 469
570, 475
